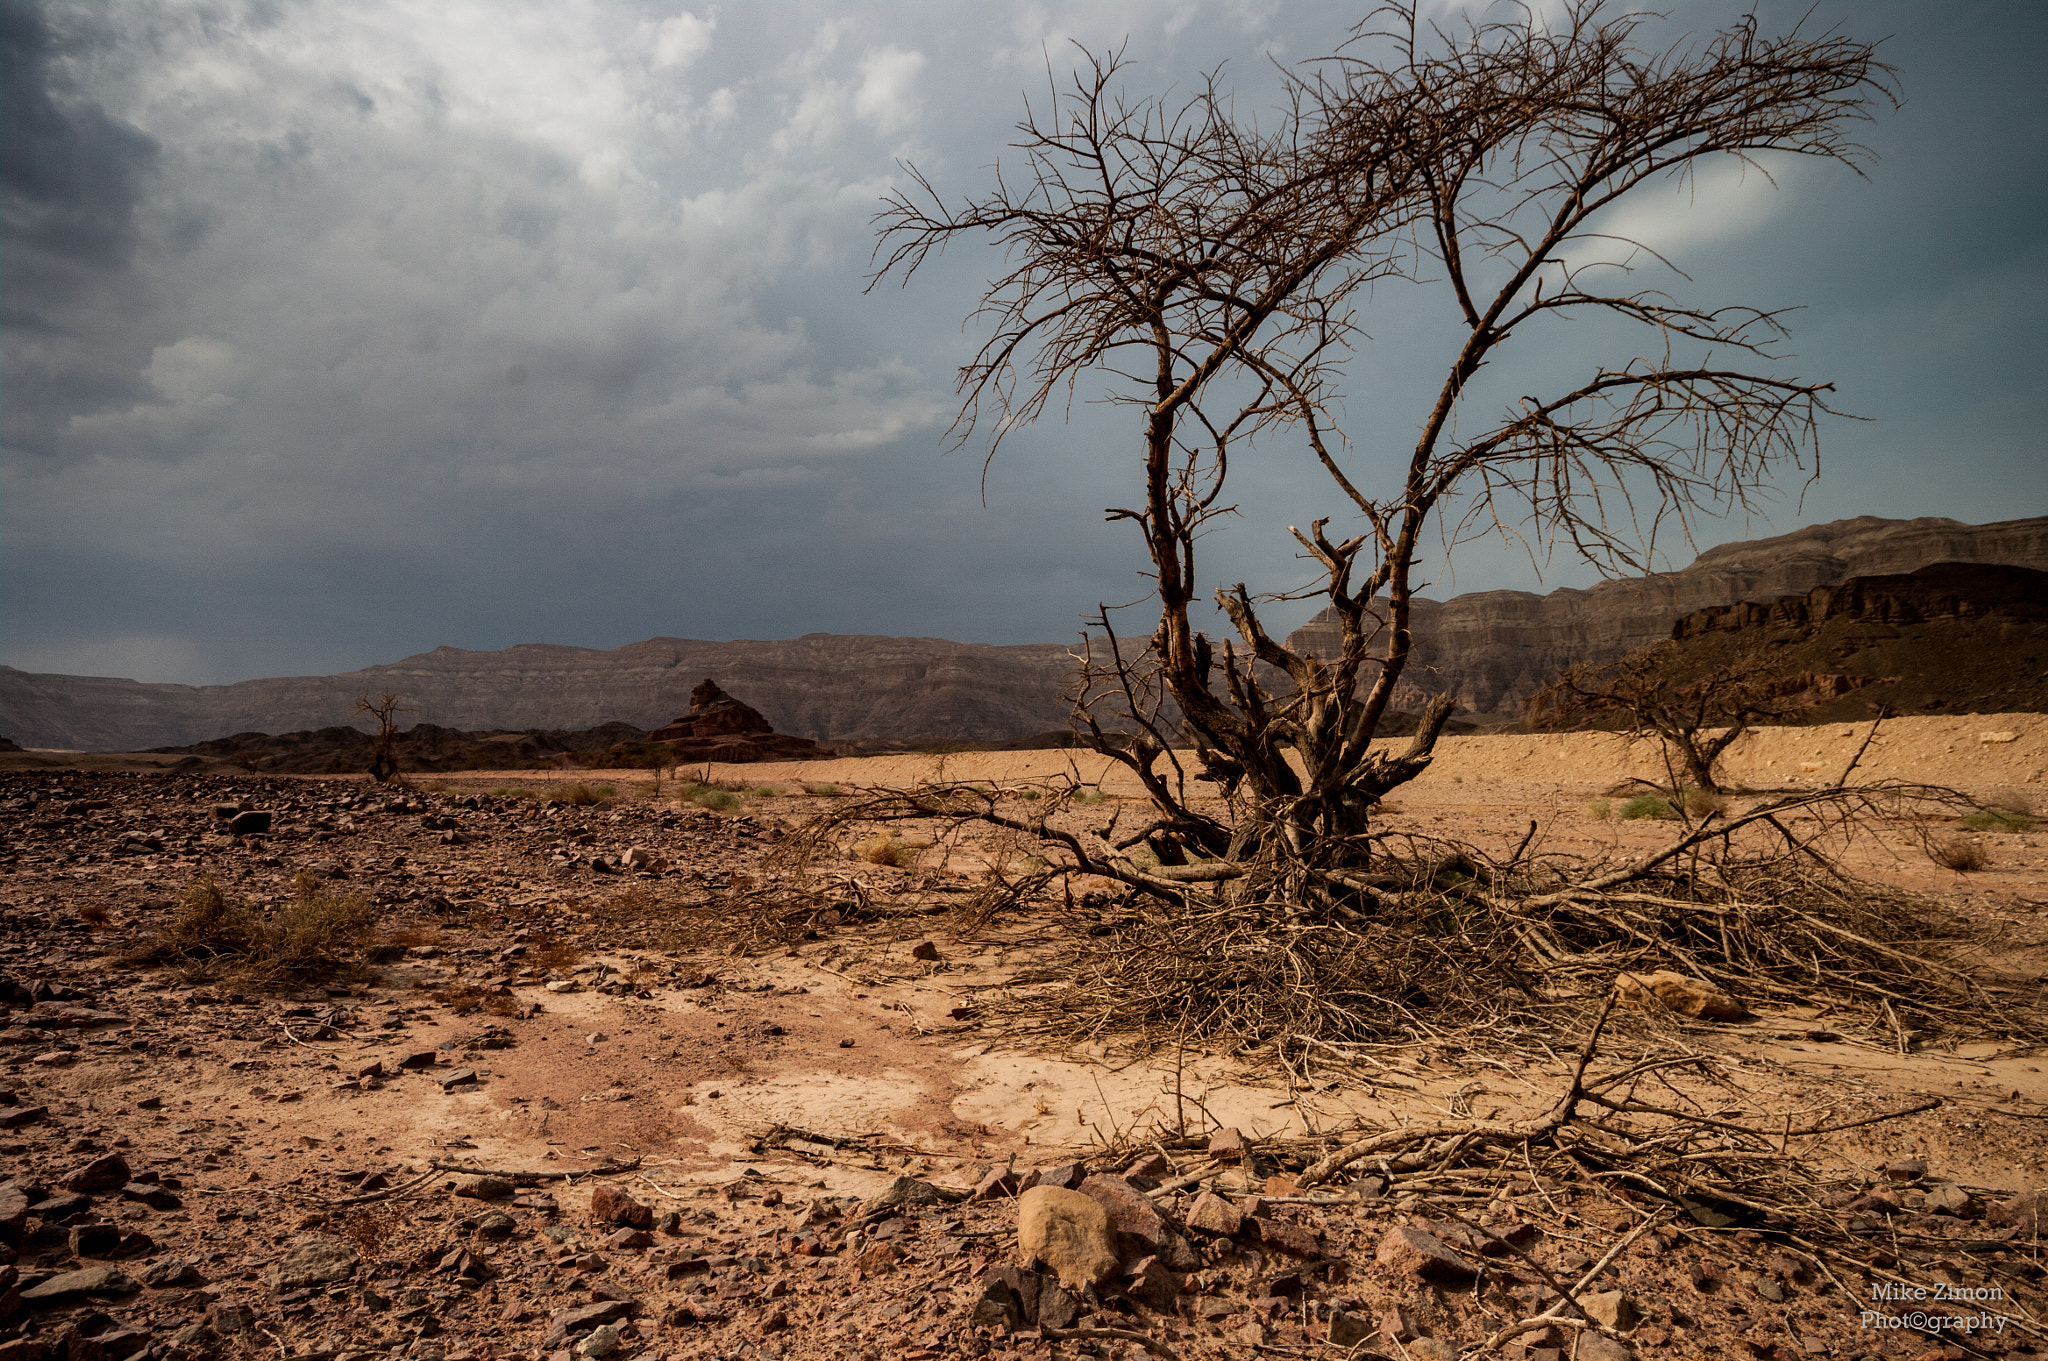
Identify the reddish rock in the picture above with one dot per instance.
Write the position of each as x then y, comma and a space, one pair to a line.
610, 1206
1130, 1213
999, 1184
1423, 1256
1212, 1214
1227, 1142
101, 1174
1292, 1239
1149, 1282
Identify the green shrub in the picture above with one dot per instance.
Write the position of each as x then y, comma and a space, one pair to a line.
1602, 809
764, 791
1648, 806
715, 799
582, 795
1998, 820
1090, 796
822, 791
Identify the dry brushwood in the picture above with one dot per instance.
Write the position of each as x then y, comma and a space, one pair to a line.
1444, 937
1664, 1161
1697, 716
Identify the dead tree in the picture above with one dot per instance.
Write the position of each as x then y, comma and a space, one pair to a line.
1698, 716
1214, 271
384, 753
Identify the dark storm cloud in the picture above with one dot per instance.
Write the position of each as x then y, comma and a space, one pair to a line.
347, 330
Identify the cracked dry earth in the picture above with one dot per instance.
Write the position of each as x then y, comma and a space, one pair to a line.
538, 1126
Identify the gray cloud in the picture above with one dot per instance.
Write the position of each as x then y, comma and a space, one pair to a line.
336, 332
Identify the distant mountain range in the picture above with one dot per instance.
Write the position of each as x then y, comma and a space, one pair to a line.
1490, 649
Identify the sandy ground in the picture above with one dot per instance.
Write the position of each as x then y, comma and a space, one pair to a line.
831, 1069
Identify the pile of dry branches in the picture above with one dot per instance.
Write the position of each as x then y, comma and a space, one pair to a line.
1438, 937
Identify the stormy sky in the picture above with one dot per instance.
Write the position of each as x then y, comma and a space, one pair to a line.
335, 331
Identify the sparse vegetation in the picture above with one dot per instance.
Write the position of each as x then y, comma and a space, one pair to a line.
822, 791
318, 934
887, 849
1996, 819
1602, 809
1957, 853
385, 709
583, 795
712, 797
764, 791
1648, 806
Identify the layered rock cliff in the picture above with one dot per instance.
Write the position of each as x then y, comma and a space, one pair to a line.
1491, 650
829, 687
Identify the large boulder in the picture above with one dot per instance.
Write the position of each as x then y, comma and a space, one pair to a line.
1068, 1232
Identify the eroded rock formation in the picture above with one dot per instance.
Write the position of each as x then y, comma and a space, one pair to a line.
720, 728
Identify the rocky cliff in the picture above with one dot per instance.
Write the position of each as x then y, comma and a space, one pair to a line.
1493, 649
1489, 649
830, 687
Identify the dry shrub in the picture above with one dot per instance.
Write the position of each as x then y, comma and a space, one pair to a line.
316, 935
887, 849
465, 998
369, 1227
546, 952
1956, 853
584, 795
822, 791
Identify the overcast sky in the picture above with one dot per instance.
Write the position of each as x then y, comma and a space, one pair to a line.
339, 330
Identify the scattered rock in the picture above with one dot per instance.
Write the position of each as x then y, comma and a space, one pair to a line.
1228, 1142
1347, 1329
1212, 1214
1610, 1308
66, 1286
611, 1206
925, 950
2025, 1211
165, 1272
483, 1188
1423, 1256
906, 1192
313, 1260
1149, 1282
1598, 1347
1906, 1170
1950, 1199
101, 1174
255, 822
1070, 1233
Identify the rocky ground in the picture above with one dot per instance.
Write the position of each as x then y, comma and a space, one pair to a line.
551, 1115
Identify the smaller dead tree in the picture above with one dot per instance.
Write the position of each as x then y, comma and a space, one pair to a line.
1699, 714
384, 755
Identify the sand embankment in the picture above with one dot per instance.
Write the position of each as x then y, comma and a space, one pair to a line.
1969, 751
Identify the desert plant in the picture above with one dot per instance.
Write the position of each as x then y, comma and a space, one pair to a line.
1698, 716
1602, 809
1090, 796
887, 849
1648, 806
1216, 271
384, 751
583, 795
822, 791
1995, 819
711, 797
764, 791
1956, 853
317, 934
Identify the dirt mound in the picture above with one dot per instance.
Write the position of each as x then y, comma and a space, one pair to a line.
1951, 638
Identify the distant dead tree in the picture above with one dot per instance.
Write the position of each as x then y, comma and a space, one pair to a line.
1699, 714
1213, 269
384, 754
